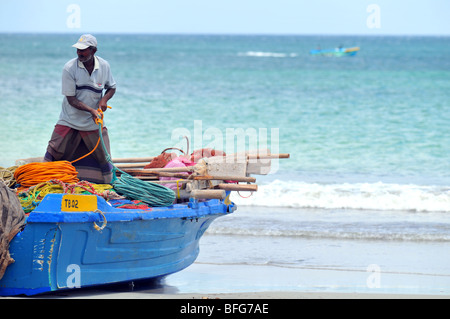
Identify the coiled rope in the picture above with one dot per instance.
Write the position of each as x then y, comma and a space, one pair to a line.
7, 175
35, 173
153, 194
31, 197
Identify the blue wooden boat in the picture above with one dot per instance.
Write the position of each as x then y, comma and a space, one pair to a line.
337, 52
81, 241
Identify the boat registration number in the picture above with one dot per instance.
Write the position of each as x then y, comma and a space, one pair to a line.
79, 203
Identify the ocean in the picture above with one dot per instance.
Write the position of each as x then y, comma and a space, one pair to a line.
363, 202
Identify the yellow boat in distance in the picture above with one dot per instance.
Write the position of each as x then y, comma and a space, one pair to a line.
338, 52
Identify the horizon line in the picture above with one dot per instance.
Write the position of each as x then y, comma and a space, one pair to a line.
222, 33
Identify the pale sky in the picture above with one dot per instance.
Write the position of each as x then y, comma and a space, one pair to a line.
355, 17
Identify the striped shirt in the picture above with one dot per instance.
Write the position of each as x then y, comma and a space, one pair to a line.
77, 82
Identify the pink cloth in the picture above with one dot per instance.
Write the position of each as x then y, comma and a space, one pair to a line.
177, 162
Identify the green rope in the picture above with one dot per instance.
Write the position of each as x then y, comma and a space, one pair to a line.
150, 193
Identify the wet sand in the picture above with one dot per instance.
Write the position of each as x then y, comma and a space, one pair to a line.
262, 295
206, 281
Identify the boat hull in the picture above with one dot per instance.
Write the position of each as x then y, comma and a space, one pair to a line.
67, 250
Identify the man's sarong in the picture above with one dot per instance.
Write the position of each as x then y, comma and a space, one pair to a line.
69, 144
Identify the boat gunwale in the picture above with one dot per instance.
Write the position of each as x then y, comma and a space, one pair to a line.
49, 211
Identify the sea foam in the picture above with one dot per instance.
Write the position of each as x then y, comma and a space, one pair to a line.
260, 54
367, 196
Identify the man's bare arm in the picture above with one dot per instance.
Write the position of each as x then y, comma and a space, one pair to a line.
103, 104
76, 103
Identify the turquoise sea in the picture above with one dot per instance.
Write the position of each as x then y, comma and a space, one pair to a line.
368, 138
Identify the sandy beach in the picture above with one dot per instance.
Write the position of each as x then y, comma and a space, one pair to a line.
259, 295
266, 295
205, 281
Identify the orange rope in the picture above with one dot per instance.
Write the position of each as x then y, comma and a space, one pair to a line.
35, 173
98, 142
97, 121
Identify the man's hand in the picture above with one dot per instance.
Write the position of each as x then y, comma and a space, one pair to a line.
103, 104
95, 115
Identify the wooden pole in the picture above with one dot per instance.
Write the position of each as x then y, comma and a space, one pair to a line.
130, 165
147, 178
149, 159
284, 155
226, 178
163, 174
133, 159
172, 181
238, 187
208, 194
159, 170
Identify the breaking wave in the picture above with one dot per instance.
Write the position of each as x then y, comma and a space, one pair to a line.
259, 54
365, 196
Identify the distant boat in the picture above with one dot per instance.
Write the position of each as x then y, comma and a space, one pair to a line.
338, 52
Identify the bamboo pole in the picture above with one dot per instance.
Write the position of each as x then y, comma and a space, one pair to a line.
250, 156
160, 170
230, 158
225, 178
172, 181
201, 194
208, 194
176, 172
238, 187
160, 174
133, 159
273, 156
123, 166
147, 178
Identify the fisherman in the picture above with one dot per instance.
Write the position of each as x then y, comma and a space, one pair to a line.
76, 133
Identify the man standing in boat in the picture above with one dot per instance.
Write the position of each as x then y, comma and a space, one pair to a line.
76, 133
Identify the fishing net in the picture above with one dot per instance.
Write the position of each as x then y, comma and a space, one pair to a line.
12, 219
163, 159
